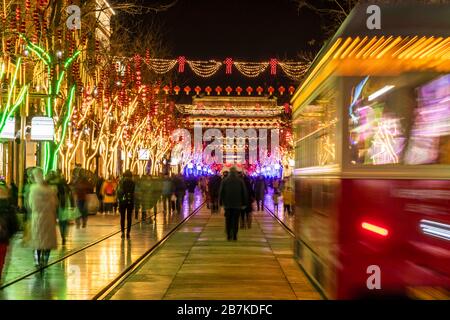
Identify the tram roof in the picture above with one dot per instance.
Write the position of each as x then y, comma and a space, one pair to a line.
413, 37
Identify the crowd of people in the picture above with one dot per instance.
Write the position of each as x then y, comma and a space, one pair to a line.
50, 202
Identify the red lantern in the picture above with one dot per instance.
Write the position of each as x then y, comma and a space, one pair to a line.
176, 89
197, 90
187, 90
166, 89
291, 90
218, 90
249, 90
259, 90
239, 90
271, 90
208, 90
281, 90
228, 90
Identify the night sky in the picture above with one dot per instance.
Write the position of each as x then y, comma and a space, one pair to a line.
246, 30
243, 29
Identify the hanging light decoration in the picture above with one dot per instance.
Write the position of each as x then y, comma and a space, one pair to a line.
251, 69
229, 64
204, 69
181, 63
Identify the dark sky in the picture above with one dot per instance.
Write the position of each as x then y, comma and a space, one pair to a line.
246, 30
243, 29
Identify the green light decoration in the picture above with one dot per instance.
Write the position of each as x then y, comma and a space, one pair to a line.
54, 89
64, 126
9, 111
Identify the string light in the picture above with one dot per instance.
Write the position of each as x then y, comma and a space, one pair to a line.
162, 66
251, 69
204, 69
293, 70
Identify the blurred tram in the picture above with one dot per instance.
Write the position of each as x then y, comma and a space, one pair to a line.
372, 157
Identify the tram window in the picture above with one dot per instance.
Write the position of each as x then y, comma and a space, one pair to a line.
377, 122
430, 135
400, 121
316, 131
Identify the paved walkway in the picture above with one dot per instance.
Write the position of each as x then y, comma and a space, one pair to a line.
83, 274
197, 262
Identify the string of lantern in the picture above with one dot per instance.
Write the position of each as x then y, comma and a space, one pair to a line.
208, 68
218, 90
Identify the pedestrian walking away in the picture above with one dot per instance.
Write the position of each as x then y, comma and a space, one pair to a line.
233, 197
125, 195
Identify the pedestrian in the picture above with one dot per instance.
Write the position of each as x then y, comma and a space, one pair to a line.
288, 199
275, 197
81, 188
214, 186
108, 192
98, 191
43, 202
233, 197
64, 202
167, 191
246, 214
125, 195
180, 191
8, 222
260, 192
191, 186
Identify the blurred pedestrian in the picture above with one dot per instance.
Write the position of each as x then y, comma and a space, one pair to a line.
9, 224
125, 195
288, 199
233, 197
214, 187
81, 188
260, 192
108, 192
43, 202
191, 184
98, 191
246, 214
64, 202
180, 191
167, 191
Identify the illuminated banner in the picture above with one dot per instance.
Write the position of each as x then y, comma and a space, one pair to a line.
144, 154
42, 129
9, 129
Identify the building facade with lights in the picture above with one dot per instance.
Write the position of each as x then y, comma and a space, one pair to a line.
257, 123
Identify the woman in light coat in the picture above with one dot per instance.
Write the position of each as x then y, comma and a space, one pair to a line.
43, 202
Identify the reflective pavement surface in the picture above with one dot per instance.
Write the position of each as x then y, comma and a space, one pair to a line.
197, 262
82, 275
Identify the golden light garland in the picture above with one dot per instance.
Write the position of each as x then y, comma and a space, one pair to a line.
293, 70
251, 69
204, 69
162, 66
208, 68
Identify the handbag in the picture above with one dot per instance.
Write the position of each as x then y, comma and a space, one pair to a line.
68, 213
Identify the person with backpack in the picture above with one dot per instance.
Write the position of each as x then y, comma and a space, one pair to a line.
9, 224
108, 192
125, 195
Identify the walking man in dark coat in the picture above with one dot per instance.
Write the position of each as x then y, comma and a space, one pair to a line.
233, 197
125, 195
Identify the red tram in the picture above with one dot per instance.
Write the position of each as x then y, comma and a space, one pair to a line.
372, 151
